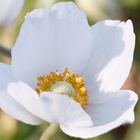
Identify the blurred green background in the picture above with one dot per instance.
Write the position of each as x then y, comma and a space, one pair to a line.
95, 10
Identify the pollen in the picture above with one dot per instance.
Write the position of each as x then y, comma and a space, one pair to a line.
67, 83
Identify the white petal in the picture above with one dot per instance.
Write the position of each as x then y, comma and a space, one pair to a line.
112, 55
123, 101
6, 76
9, 10
26, 97
14, 109
51, 39
107, 116
64, 110
49, 107
8, 104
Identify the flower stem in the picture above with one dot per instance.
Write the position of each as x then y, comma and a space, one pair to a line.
50, 131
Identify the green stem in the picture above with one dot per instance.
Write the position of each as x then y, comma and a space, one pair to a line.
50, 132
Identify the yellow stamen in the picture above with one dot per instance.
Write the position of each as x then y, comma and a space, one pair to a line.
67, 83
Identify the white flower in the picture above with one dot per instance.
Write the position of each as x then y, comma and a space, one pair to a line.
9, 10
58, 38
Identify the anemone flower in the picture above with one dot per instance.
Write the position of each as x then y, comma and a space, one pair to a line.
9, 10
66, 72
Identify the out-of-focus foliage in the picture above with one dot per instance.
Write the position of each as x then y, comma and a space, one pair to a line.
130, 3
100, 9
11, 129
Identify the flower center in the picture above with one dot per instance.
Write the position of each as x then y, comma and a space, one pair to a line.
63, 87
67, 83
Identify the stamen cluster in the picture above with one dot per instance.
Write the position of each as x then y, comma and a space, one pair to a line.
45, 83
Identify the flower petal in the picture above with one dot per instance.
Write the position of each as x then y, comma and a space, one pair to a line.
14, 109
6, 76
8, 104
123, 101
107, 116
51, 39
64, 110
26, 97
49, 107
112, 55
